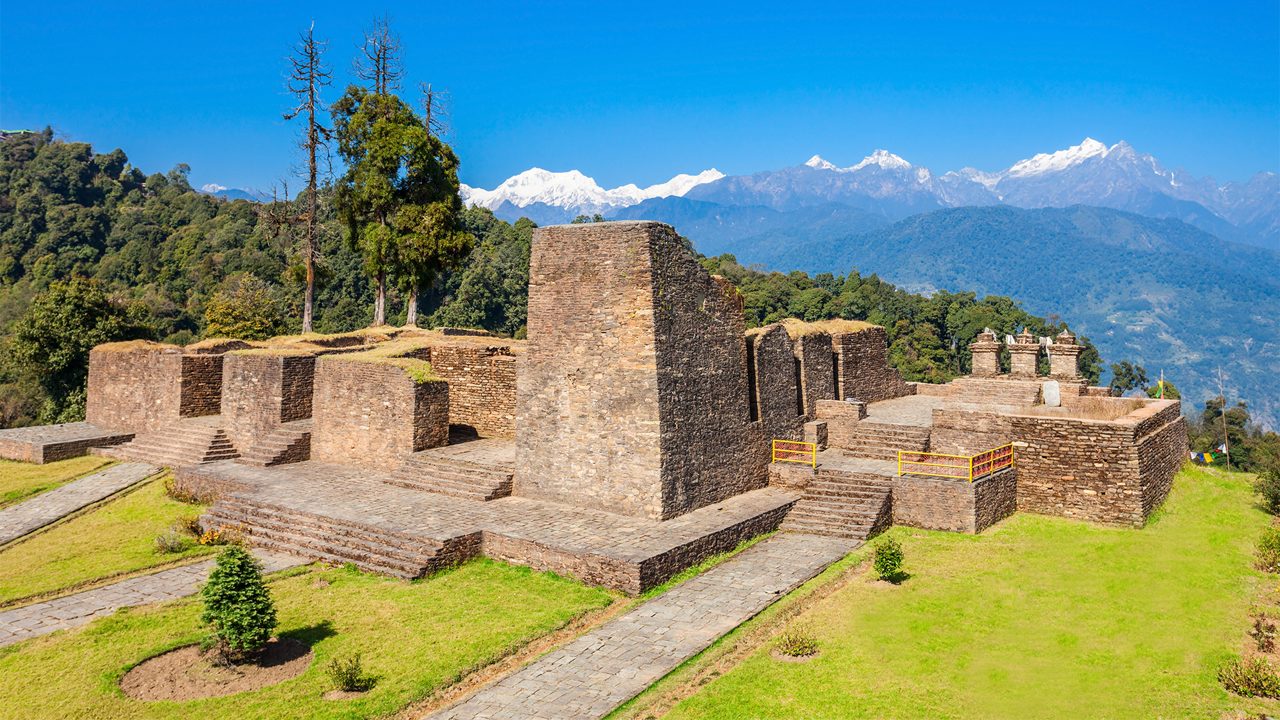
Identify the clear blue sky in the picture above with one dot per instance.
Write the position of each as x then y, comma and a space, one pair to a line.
636, 92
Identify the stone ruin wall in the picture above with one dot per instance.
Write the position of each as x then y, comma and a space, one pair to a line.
862, 366
262, 391
817, 370
776, 393
633, 397
939, 504
482, 386
201, 384
370, 413
142, 387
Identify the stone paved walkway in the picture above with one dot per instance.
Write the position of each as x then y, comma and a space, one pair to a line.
592, 675
31, 515
81, 608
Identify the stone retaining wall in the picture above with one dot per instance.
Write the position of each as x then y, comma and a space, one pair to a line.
370, 413
482, 386
862, 366
134, 387
201, 385
777, 390
261, 391
954, 505
817, 370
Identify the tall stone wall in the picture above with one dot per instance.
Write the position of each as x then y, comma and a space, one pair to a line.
633, 394
261, 391
817, 370
955, 505
482, 386
134, 387
777, 391
862, 366
370, 413
201, 385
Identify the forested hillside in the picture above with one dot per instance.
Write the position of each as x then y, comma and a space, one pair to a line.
153, 258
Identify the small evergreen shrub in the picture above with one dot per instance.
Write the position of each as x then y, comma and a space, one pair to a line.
171, 541
1252, 678
888, 560
1264, 634
348, 674
237, 606
797, 641
1267, 557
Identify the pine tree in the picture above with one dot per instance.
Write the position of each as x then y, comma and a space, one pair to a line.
237, 605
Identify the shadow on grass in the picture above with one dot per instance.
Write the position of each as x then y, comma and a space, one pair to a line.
896, 578
311, 634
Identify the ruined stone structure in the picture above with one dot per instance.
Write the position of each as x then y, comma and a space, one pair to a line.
627, 439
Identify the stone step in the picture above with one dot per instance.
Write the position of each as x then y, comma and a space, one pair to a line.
385, 558
231, 508
277, 544
456, 478
465, 491
283, 445
851, 532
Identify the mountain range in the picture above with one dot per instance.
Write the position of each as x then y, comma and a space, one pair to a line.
1179, 273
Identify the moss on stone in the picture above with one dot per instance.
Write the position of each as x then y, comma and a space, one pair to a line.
398, 353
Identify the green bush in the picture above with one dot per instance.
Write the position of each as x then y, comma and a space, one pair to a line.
237, 606
188, 525
348, 674
797, 641
888, 560
170, 541
1267, 557
1251, 678
1268, 488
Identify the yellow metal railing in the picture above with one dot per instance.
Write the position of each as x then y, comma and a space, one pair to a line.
956, 467
795, 451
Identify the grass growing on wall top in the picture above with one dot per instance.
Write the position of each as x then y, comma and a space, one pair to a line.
1038, 617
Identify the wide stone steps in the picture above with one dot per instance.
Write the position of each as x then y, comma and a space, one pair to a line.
176, 446
456, 478
881, 441
324, 538
283, 445
840, 504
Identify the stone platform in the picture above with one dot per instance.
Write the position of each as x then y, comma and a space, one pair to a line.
47, 443
345, 514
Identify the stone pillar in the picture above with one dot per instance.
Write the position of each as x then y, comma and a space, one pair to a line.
986, 354
1064, 356
632, 397
1024, 353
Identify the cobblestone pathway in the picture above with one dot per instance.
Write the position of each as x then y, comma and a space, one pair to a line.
30, 515
81, 608
591, 676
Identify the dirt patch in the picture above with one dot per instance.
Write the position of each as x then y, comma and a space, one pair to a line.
343, 695
186, 674
783, 657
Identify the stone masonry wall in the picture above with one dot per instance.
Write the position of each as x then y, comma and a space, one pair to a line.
968, 431
817, 372
368, 413
262, 391
201, 385
954, 505
1077, 468
134, 387
862, 361
776, 389
482, 386
633, 395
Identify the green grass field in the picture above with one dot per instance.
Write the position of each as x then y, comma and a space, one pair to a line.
1037, 617
416, 637
113, 539
19, 480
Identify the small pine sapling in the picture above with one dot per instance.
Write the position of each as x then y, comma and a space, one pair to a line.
237, 606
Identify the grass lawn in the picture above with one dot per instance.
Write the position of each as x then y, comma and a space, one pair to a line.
112, 539
416, 636
20, 480
1038, 617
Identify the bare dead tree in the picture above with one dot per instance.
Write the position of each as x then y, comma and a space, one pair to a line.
307, 75
435, 107
379, 61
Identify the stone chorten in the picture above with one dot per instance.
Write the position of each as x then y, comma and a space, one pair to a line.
1064, 356
1024, 354
986, 354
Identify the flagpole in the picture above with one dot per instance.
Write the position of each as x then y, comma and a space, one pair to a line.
1226, 441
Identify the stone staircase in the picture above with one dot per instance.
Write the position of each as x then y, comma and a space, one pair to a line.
184, 443
843, 504
879, 441
316, 536
289, 443
450, 476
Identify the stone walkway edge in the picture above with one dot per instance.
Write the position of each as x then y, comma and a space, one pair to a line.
28, 516
592, 675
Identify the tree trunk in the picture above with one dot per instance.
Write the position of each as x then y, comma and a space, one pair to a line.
380, 301
411, 312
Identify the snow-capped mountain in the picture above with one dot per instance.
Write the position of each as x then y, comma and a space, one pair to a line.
888, 186
231, 193
576, 193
